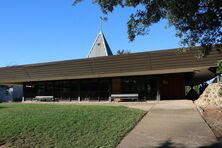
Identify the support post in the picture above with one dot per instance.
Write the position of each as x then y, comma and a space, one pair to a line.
79, 98
23, 99
158, 91
110, 99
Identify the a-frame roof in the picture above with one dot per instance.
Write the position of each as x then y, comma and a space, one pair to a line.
100, 47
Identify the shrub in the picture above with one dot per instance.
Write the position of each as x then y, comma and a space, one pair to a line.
220, 92
219, 69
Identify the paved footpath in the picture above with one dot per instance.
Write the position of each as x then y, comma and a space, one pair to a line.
170, 124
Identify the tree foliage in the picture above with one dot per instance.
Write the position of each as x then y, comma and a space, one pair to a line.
219, 67
122, 51
5, 88
219, 71
198, 22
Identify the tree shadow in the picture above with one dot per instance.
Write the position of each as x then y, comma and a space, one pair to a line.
170, 144
213, 145
3, 107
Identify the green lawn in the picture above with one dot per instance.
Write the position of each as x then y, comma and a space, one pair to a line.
41, 125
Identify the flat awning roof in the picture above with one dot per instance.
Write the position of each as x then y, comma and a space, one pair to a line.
144, 63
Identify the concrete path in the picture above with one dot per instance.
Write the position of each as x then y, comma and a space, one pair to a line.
170, 124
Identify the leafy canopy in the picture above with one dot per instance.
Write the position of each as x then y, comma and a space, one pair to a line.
198, 22
122, 51
219, 67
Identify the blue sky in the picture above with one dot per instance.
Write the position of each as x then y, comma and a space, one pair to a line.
35, 31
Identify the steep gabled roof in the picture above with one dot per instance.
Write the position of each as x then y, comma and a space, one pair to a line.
100, 47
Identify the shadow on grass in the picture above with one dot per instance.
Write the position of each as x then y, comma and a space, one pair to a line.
170, 144
3, 107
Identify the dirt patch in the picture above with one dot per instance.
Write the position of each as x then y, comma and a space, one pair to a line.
213, 117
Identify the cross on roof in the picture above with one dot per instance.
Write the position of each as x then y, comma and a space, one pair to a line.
102, 19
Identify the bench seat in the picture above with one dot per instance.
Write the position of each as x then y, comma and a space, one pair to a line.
120, 97
44, 98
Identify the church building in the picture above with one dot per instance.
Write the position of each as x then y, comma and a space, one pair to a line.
161, 74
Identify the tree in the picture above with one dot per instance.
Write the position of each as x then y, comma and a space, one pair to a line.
198, 22
219, 67
219, 70
5, 88
122, 51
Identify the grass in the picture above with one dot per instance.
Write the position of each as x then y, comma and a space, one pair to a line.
43, 125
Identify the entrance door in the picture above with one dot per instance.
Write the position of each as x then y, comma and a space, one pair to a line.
144, 86
172, 86
147, 88
116, 85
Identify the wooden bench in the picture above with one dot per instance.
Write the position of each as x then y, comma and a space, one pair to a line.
120, 97
44, 98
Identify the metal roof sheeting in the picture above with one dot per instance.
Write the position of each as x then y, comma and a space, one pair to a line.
144, 63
